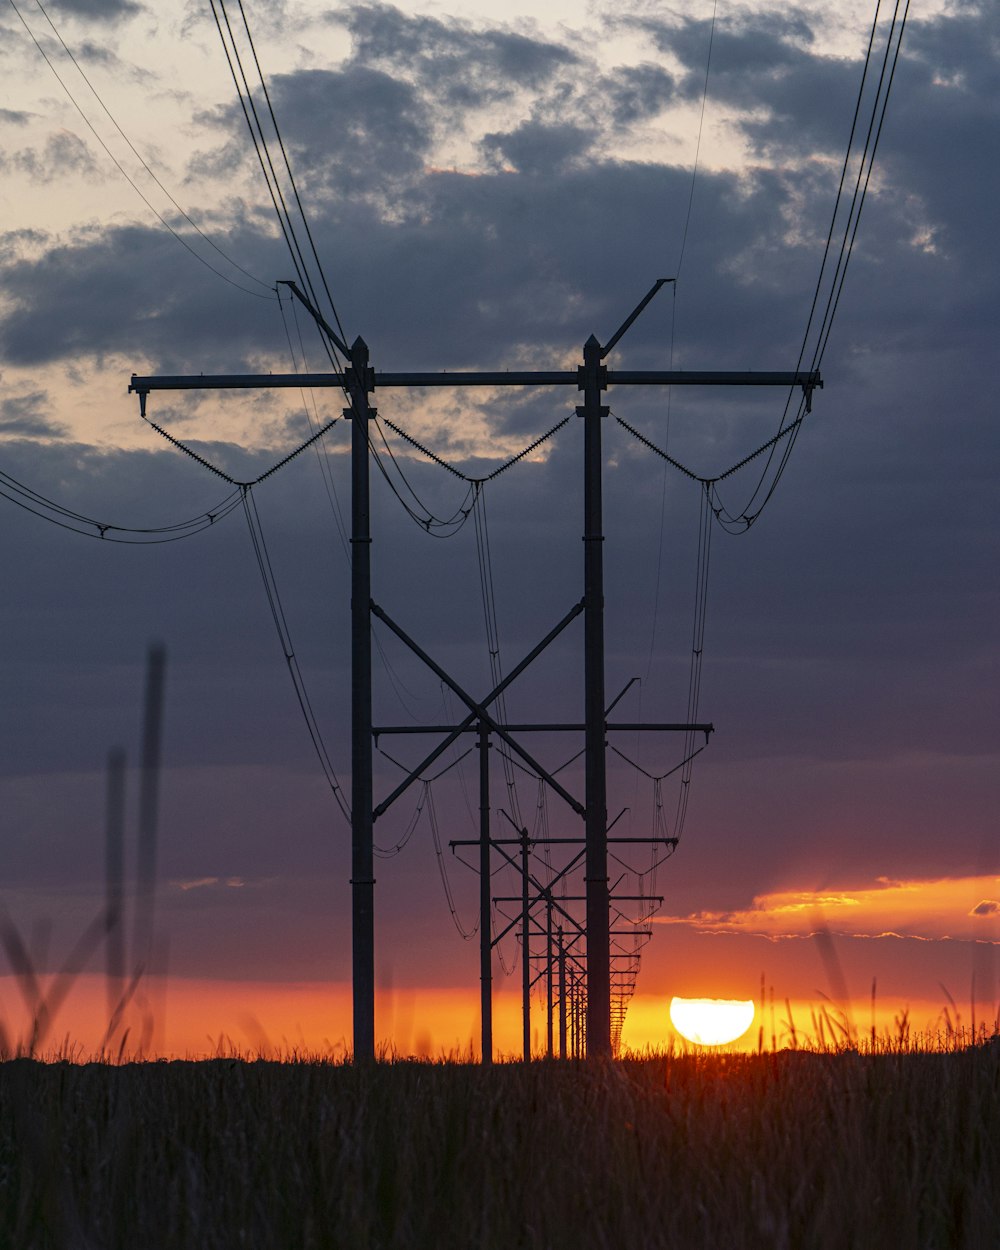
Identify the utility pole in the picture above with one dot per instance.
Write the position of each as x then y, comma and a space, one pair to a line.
562, 995
360, 382
525, 951
592, 383
485, 910
591, 1031
548, 975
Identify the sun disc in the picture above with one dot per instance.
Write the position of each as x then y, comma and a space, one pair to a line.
711, 1021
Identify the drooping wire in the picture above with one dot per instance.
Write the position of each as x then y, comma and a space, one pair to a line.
288, 169
39, 505
488, 595
259, 139
284, 637
697, 147
740, 521
697, 652
207, 464
128, 178
865, 169
780, 446
418, 511
403, 694
313, 418
466, 477
432, 817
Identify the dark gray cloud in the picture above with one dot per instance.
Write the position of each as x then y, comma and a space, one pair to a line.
28, 416
535, 148
459, 63
98, 10
14, 117
64, 155
638, 92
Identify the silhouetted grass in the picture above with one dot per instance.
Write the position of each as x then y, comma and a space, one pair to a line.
794, 1149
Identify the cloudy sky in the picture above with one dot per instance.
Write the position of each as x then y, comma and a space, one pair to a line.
487, 185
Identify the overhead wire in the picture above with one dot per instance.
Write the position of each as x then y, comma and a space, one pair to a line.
697, 147
418, 511
780, 446
280, 620
669, 399
288, 169
30, 500
271, 294
739, 522
259, 139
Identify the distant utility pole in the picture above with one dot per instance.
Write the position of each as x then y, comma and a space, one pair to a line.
592, 378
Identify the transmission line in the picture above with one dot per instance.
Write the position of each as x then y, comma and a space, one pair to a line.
40, 505
259, 139
284, 637
125, 174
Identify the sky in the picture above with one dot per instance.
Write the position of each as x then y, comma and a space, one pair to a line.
486, 186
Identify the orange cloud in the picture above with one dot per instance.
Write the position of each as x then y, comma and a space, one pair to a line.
963, 908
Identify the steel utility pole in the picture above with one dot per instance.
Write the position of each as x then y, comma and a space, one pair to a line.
592, 383
360, 382
594, 1031
485, 911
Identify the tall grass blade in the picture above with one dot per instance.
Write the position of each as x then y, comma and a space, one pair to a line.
114, 879
149, 796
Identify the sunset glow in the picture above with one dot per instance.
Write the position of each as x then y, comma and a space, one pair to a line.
711, 1021
925, 909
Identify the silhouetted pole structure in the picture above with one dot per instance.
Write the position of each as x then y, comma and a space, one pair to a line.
594, 1031
485, 910
525, 950
548, 976
360, 382
593, 381
562, 996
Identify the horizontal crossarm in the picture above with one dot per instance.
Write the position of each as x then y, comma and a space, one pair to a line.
807, 379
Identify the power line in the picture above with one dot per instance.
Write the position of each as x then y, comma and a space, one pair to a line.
741, 521
697, 148
266, 161
207, 464
288, 168
128, 178
39, 505
284, 637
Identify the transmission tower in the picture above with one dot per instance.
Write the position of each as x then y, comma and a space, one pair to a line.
585, 978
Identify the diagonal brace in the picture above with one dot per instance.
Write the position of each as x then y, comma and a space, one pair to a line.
478, 711
494, 694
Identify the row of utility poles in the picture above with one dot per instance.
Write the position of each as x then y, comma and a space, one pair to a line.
584, 975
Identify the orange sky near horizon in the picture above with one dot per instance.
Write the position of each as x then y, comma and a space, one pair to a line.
202, 1019
926, 949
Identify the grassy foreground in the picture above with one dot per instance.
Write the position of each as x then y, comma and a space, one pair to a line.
788, 1150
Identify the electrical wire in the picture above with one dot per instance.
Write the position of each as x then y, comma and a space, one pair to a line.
267, 165
207, 464
741, 520
284, 637
697, 147
467, 934
488, 595
465, 477
125, 174
435, 526
16, 492
288, 169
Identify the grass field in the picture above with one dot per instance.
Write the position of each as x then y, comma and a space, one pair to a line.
793, 1149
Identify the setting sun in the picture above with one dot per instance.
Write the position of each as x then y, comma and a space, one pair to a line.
711, 1021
